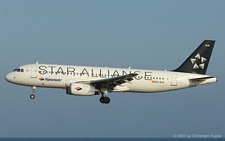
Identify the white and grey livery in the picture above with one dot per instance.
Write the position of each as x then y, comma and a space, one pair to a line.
88, 81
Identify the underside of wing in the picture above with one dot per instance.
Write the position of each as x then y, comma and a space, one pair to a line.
111, 83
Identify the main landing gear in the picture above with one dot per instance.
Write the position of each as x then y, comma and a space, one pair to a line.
32, 96
104, 98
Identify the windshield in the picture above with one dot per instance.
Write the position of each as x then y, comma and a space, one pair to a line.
18, 70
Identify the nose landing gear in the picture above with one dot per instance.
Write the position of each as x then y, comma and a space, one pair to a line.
32, 96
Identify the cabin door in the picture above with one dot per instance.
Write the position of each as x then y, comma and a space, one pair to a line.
173, 79
34, 72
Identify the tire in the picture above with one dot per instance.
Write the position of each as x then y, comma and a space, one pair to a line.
106, 100
32, 96
102, 100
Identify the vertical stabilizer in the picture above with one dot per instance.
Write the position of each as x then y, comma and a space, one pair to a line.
198, 61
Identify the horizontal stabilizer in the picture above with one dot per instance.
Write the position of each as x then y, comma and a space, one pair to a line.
202, 81
202, 78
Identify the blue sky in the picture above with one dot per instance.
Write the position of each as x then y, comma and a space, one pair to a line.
142, 34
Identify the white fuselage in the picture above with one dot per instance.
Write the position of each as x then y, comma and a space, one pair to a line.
60, 76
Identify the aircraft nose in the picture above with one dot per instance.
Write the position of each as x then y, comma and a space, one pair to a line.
9, 77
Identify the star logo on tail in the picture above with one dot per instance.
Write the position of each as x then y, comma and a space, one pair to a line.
198, 62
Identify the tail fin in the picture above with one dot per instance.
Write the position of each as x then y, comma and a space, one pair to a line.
198, 61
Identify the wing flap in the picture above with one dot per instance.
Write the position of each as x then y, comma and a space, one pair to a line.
111, 83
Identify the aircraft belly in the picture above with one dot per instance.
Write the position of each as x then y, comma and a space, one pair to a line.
121, 89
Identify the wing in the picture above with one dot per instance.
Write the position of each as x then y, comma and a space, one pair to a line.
111, 83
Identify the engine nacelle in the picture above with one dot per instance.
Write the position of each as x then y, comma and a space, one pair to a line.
81, 89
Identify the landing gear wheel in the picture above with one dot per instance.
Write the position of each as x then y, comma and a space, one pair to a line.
106, 100
102, 99
32, 96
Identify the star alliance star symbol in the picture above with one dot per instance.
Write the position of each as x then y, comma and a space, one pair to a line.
198, 62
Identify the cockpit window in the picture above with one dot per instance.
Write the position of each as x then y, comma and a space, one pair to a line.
19, 70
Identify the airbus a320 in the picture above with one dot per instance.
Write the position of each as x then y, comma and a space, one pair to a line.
89, 81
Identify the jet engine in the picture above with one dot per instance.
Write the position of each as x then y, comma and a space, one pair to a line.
80, 89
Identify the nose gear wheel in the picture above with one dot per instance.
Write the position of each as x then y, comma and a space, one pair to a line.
32, 96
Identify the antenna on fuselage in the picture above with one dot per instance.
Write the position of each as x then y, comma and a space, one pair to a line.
129, 67
37, 62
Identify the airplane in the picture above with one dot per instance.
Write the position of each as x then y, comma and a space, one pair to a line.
89, 81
